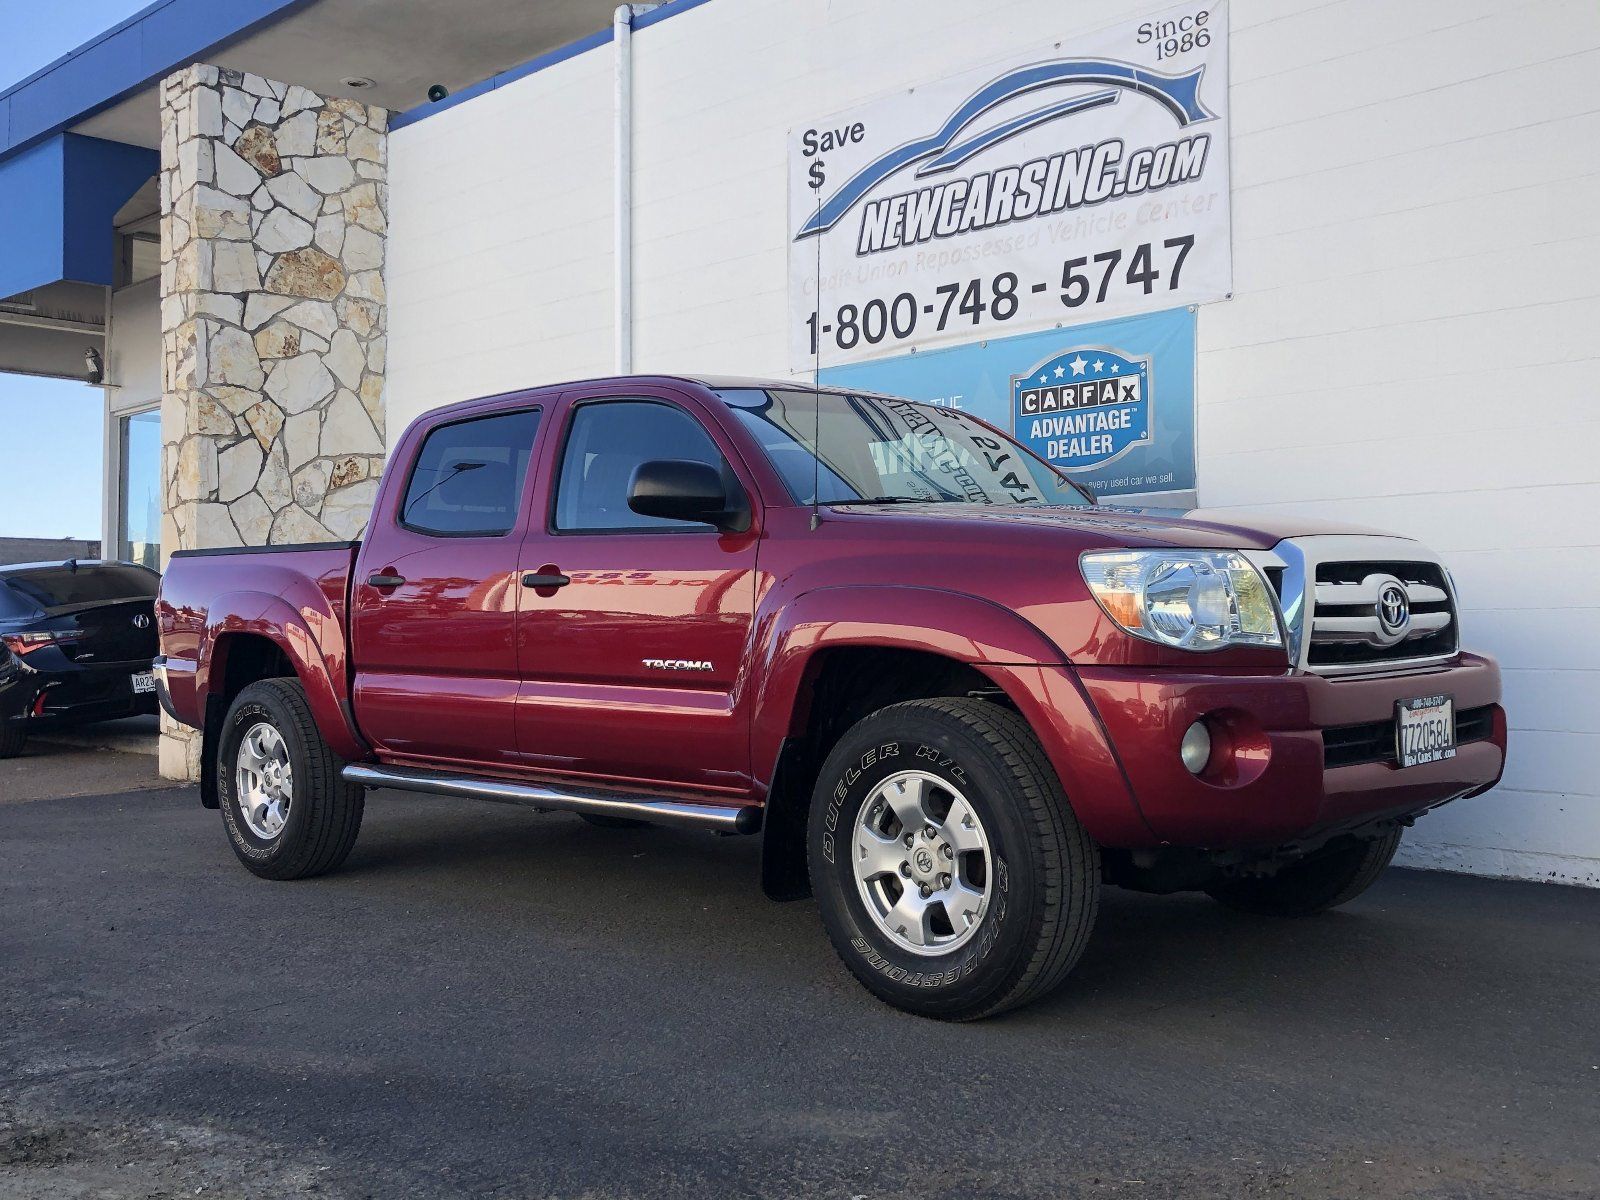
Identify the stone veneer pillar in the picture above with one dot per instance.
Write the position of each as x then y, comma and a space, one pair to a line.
273, 219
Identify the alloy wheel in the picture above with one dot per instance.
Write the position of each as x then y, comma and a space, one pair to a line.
922, 863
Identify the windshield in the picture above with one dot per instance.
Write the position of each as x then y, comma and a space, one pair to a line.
878, 448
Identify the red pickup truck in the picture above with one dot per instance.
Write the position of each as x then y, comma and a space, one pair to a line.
951, 693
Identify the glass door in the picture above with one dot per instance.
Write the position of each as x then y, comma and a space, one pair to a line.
139, 505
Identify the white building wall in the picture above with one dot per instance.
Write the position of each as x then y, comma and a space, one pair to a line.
1411, 343
133, 346
499, 267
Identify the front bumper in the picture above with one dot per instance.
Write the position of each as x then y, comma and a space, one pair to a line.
1278, 788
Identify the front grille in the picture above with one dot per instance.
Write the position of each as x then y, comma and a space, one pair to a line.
1374, 741
1347, 631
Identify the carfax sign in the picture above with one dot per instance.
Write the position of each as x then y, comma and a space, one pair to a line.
1110, 403
1086, 179
1084, 407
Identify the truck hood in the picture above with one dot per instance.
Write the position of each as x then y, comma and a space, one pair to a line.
1197, 528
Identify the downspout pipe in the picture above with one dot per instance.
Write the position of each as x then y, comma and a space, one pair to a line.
622, 250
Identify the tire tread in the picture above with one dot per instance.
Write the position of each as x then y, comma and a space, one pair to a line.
1067, 858
333, 807
12, 739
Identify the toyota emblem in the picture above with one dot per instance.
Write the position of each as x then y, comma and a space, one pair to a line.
1394, 608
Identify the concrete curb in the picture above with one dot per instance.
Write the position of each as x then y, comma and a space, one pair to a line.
137, 735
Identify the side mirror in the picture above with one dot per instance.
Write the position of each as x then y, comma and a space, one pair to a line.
688, 491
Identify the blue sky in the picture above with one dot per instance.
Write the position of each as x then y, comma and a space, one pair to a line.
50, 480
33, 35
50, 483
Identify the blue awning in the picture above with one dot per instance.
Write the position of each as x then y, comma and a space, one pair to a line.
60, 198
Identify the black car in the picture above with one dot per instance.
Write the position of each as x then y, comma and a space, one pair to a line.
76, 640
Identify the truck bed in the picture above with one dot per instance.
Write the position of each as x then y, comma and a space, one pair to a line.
255, 589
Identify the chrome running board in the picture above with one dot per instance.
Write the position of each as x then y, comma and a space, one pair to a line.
720, 818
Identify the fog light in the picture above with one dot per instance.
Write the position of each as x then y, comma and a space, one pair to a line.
1195, 749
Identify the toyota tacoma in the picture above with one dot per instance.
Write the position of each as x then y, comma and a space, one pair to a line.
952, 694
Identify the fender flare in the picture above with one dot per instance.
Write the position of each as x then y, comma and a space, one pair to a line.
959, 626
1022, 661
295, 631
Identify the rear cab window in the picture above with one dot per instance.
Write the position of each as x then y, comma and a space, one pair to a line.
69, 587
468, 477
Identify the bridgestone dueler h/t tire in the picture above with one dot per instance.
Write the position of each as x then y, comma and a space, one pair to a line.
1045, 878
324, 814
1324, 880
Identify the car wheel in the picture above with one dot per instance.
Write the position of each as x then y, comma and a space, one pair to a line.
288, 812
953, 878
12, 738
1324, 880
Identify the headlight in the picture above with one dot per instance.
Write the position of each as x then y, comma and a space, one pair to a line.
1191, 599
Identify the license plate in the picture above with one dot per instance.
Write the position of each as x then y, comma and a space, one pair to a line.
143, 681
1425, 730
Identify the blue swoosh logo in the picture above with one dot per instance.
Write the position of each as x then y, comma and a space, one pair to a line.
961, 151
1178, 94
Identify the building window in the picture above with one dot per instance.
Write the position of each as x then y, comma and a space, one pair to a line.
141, 257
139, 497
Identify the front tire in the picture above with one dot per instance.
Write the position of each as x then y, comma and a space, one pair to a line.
952, 876
12, 738
288, 812
1324, 880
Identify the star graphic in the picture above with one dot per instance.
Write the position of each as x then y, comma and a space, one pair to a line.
1060, 371
1099, 365
1115, 369
1078, 364
1043, 378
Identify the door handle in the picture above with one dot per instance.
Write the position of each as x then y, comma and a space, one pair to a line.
380, 580
553, 580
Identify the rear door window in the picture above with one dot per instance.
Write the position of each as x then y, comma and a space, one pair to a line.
65, 587
469, 475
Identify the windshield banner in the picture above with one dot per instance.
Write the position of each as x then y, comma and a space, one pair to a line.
1110, 404
1078, 181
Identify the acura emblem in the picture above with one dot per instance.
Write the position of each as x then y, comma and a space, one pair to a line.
1394, 609
141, 621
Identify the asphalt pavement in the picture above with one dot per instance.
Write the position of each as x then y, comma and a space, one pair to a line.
487, 1001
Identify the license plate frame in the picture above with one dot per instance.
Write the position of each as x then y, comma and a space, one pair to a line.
1425, 730
143, 683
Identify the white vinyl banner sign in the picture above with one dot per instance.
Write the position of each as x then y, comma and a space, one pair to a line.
1082, 181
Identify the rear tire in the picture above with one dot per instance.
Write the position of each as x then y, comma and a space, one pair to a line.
1009, 882
288, 812
1325, 880
12, 738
